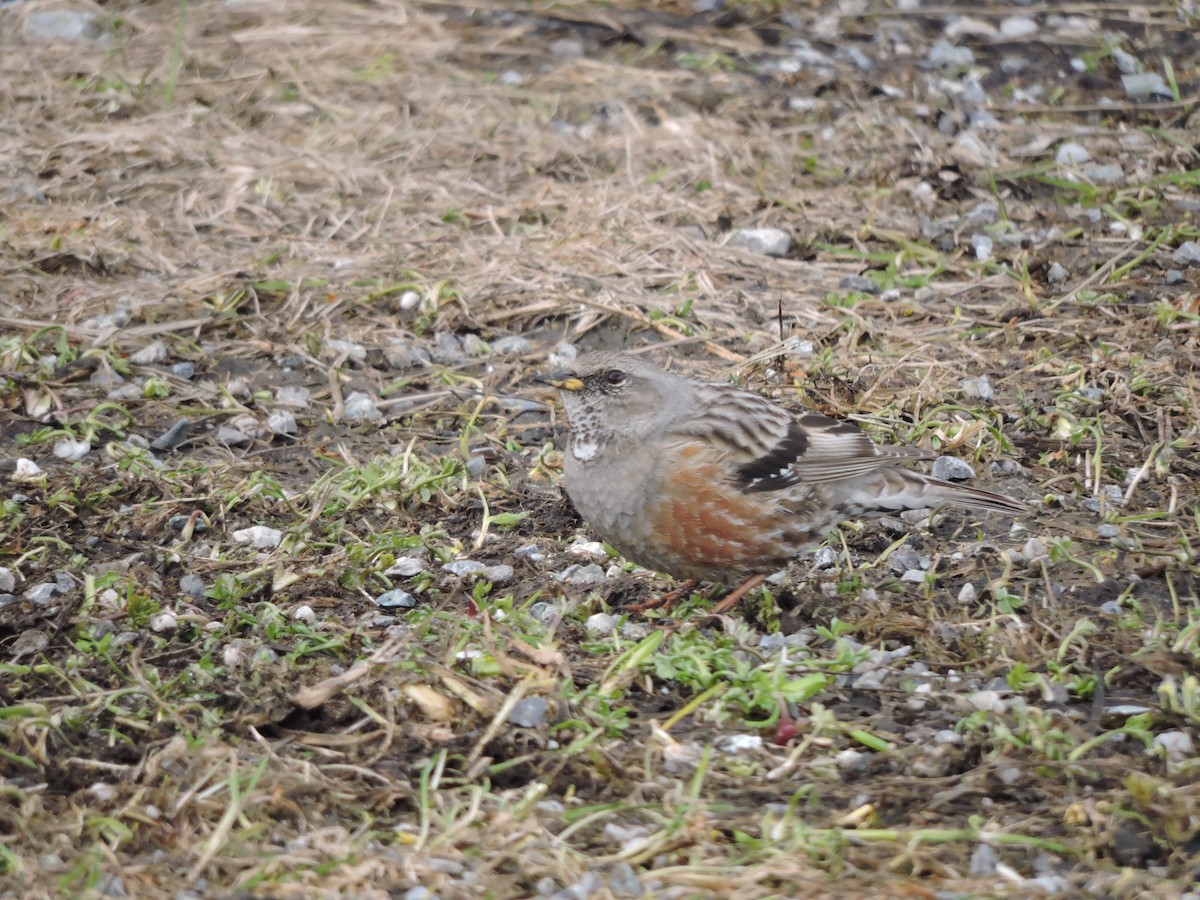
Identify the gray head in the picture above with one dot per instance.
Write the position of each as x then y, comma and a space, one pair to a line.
616, 396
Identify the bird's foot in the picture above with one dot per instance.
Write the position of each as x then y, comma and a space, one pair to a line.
665, 601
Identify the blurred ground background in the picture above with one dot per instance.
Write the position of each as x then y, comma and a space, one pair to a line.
340, 634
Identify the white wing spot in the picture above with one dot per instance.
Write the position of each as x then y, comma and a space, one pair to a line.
585, 450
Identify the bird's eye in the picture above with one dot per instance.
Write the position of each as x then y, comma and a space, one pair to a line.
614, 376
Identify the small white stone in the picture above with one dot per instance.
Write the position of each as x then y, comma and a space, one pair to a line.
987, 701
461, 567
1018, 27
281, 421
851, 760
102, 791
304, 614
406, 567
350, 349
739, 743
409, 300
295, 397
260, 537
26, 470
983, 247
1177, 745
588, 549
600, 624
150, 355
1072, 154
70, 450
164, 621
767, 241
968, 593
360, 407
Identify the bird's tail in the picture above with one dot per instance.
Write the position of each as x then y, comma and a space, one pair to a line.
894, 490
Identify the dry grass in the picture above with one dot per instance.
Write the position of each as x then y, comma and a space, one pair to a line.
290, 195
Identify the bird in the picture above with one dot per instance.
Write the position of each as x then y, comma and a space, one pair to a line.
708, 481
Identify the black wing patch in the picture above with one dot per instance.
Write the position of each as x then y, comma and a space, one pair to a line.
776, 469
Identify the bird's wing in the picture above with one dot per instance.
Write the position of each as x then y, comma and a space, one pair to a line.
770, 449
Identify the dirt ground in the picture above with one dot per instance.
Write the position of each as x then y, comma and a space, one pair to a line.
291, 601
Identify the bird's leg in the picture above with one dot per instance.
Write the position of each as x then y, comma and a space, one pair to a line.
667, 600
734, 597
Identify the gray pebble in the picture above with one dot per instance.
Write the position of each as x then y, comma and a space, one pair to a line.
71, 450
1094, 394
1072, 154
600, 624
348, 349
1057, 274
192, 586
63, 25
1103, 173
529, 552
512, 345
418, 893
152, 354
581, 574
475, 465
983, 247
1125, 61
461, 567
185, 370
475, 346
824, 558
943, 54
544, 613
359, 407
260, 537
1112, 496
860, 284
983, 862
1173, 276
396, 599
403, 355
1108, 531
8, 581
1144, 85
984, 213
126, 392
232, 437
294, 396
767, 241
913, 576
498, 574
979, 388
282, 422
968, 593
1186, 254
406, 567
562, 356
623, 881
41, 594
1017, 27
529, 713
904, 558
951, 468
447, 349
179, 522
772, 643
172, 437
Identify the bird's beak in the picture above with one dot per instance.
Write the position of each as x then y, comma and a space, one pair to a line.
564, 381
